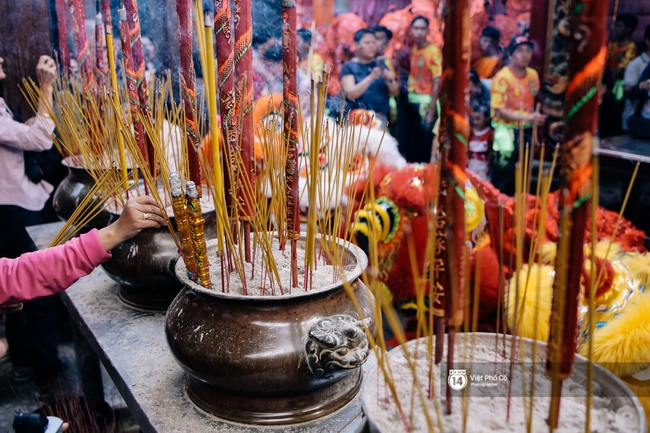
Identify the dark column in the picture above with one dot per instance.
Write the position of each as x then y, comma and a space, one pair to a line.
539, 32
26, 35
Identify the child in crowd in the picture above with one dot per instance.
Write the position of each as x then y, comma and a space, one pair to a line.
490, 61
480, 140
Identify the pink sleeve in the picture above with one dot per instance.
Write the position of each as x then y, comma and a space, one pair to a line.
49, 271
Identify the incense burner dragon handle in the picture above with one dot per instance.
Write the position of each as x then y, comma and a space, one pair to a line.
336, 343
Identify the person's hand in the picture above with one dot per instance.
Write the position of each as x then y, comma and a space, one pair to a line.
4, 309
644, 85
139, 213
30, 121
532, 117
387, 76
46, 71
376, 73
430, 117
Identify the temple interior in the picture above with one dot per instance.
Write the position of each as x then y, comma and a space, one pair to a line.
346, 216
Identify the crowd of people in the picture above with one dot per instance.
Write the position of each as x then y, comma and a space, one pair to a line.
627, 81
403, 91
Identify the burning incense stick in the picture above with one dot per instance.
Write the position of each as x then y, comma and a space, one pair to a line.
100, 47
586, 65
62, 32
132, 84
112, 70
78, 17
226, 81
188, 88
244, 70
217, 174
138, 70
454, 132
290, 102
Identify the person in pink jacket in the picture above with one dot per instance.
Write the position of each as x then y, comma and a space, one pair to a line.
52, 270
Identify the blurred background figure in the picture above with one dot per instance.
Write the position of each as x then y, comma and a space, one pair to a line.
490, 61
480, 139
271, 79
418, 116
367, 84
621, 51
306, 64
383, 37
149, 52
31, 332
513, 93
478, 92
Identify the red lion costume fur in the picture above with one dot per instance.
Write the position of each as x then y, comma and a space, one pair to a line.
403, 192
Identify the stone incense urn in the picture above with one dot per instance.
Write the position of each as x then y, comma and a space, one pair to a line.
144, 265
272, 359
73, 190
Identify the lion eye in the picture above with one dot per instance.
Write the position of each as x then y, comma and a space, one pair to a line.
343, 352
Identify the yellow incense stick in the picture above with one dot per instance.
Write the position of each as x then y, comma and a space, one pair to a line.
211, 90
114, 92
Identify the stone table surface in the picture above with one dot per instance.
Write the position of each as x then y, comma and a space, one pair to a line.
132, 346
626, 143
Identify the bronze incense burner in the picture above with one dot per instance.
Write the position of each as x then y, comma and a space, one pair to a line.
72, 191
272, 359
144, 266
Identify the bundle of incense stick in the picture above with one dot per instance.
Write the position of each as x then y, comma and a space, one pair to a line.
114, 169
324, 189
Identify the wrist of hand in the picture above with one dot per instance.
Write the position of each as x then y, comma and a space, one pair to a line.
109, 237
